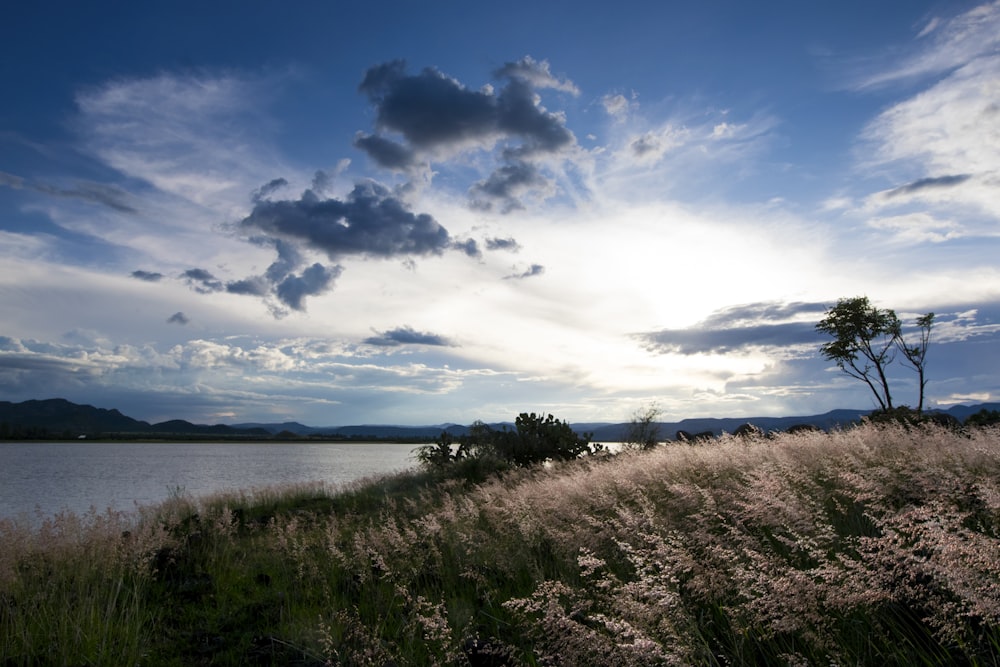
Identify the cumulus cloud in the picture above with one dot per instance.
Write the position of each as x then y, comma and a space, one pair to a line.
386, 152
740, 328
505, 187
530, 272
646, 144
252, 286
178, 318
536, 73
435, 115
202, 281
147, 276
433, 111
370, 221
268, 188
281, 280
470, 247
502, 244
406, 335
615, 106
314, 280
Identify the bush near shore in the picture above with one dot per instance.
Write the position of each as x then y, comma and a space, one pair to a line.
871, 546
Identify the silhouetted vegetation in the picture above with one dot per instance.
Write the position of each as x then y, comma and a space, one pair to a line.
984, 417
865, 342
534, 439
642, 432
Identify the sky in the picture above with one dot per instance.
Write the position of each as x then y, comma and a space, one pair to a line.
396, 212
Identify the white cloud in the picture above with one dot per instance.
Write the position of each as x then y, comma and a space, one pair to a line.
939, 149
918, 228
943, 45
952, 127
197, 137
616, 106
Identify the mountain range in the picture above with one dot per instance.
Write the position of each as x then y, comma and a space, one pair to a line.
60, 418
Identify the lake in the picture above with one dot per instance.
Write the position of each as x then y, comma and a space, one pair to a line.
42, 478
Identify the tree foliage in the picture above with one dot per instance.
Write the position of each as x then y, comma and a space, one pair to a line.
866, 340
984, 417
534, 439
915, 354
643, 432
864, 343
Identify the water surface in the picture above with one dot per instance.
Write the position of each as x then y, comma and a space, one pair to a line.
42, 478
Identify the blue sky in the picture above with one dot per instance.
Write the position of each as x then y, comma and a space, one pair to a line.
415, 213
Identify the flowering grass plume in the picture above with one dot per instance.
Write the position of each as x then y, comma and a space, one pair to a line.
870, 546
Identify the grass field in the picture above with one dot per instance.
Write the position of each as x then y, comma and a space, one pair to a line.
868, 546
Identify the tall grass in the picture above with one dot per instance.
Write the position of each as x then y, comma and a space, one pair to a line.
870, 546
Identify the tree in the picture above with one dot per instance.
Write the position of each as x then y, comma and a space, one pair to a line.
984, 417
438, 455
643, 432
916, 355
537, 439
864, 343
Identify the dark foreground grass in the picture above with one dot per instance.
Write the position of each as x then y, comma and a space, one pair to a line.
874, 546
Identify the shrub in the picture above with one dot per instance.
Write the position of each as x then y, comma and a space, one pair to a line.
537, 439
534, 439
643, 432
984, 418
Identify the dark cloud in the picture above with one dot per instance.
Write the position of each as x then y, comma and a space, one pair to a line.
536, 73
96, 193
644, 145
533, 270
148, 276
253, 286
289, 259
11, 180
280, 279
934, 183
433, 112
520, 115
314, 280
202, 281
370, 221
178, 318
469, 247
502, 244
406, 336
268, 188
506, 185
385, 152
741, 327
763, 311
322, 181
429, 109
103, 194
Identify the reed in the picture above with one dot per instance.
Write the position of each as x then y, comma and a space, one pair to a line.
869, 546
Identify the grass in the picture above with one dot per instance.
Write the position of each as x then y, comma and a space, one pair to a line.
870, 546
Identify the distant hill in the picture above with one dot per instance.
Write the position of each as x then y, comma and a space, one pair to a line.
379, 431
58, 417
826, 421
668, 430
